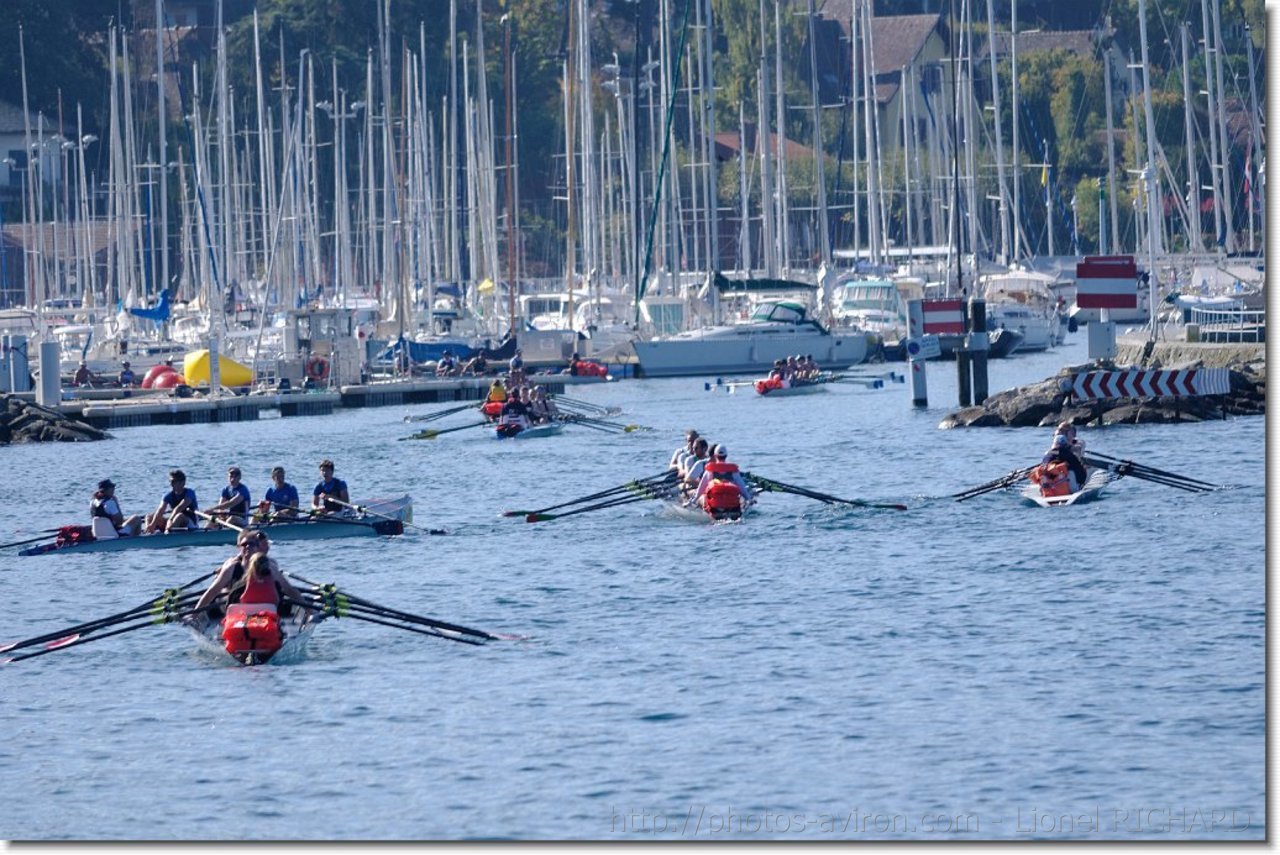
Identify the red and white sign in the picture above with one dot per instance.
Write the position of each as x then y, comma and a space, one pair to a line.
943, 317
1151, 384
1107, 282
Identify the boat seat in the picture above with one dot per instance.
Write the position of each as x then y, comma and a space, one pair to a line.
103, 529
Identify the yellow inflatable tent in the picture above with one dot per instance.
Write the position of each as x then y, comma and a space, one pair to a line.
195, 367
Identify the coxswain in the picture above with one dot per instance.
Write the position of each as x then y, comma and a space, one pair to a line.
177, 509
497, 392
1060, 453
105, 506
330, 494
722, 491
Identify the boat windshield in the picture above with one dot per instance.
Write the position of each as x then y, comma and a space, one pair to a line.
787, 313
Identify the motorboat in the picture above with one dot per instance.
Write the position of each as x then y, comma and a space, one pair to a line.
775, 330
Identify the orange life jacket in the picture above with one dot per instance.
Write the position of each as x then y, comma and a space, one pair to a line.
1053, 478
715, 467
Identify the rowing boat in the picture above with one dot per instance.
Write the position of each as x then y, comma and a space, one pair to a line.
228, 637
797, 387
1093, 486
531, 432
378, 517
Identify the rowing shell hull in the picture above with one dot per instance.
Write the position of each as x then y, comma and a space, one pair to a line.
695, 514
297, 631
345, 524
794, 389
1093, 487
550, 429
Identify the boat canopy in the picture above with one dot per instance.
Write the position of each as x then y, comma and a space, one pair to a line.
757, 286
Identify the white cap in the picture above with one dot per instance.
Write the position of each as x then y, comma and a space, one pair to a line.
721, 451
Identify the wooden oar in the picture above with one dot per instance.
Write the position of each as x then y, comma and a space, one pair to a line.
999, 483
365, 509
1135, 468
432, 434
430, 417
332, 591
630, 486
769, 485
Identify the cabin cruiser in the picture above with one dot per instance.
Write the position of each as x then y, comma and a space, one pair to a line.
775, 330
1022, 300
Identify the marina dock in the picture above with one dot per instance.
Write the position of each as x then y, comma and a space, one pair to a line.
117, 408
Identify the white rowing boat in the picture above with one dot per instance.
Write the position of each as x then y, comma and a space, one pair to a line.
531, 432
1093, 486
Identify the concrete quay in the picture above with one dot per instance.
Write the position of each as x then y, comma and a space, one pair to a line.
120, 408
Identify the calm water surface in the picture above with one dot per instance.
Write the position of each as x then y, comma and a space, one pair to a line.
961, 670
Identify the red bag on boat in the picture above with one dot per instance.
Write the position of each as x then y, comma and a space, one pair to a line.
70, 534
258, 632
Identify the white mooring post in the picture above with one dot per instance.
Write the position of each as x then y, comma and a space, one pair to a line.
919, 378
50, 392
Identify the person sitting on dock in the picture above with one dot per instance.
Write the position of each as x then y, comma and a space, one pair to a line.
127, 378
330, 494
106, 508
233, 505
281, 498
722, 491
476, 365
447, 366
83, 377
177, 510
515, 369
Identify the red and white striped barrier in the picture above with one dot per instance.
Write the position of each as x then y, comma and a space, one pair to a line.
1134, 383
944, 317
1107, 282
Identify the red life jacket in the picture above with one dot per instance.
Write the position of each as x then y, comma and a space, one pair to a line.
260, 591
722, 496
253, 629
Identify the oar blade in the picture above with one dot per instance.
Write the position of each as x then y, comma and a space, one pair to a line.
533, 518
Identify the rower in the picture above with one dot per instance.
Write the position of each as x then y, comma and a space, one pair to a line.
177, 509
681, 454
281, 498
515, 415
330, 491
722, 489
234, 504
106, 518
252, 547
695, 465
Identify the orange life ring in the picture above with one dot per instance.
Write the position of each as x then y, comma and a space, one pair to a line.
318, 368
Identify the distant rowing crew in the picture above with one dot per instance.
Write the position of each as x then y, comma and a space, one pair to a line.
179, 509
707, 480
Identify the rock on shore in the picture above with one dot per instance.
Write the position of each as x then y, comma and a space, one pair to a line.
23, 421
1044, 404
